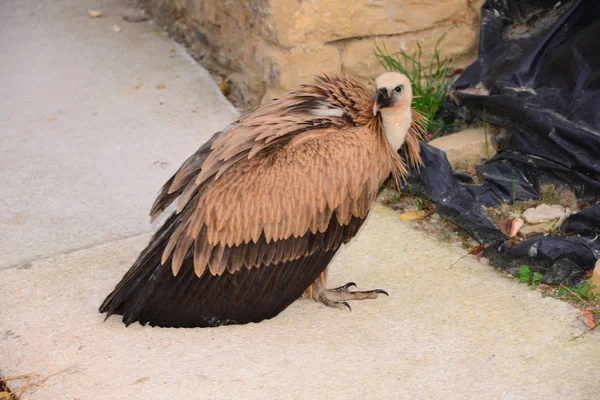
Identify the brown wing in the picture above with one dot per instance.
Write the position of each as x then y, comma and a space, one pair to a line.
279, 171
282, 193
151, 294
257, 279
324, 104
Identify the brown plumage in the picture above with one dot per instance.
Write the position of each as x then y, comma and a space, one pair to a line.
263, 206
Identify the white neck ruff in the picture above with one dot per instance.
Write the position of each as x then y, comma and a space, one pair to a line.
396, 124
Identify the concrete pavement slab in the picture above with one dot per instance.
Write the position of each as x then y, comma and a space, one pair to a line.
461, 332
86, 138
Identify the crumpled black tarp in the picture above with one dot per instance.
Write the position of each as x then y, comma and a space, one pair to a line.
537, 76
585, 223
562, 260
454, 201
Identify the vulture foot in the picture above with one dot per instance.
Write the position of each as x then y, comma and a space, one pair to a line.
337, 297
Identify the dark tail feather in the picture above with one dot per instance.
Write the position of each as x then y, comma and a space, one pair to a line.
150, 294
141, 271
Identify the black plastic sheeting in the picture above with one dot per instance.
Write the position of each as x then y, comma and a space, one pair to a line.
454, 201
538, 77
562, 260
585, 223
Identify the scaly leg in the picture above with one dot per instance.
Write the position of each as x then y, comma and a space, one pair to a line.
311, 292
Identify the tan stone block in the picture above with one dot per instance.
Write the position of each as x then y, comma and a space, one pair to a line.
289, 69
476, 6
541, 228
307, 37
232, 28
543, 213
359, 59
316, 21
232, 21
273, 92
465, 148
596, 277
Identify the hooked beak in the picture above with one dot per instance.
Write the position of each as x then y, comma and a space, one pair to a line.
382, 100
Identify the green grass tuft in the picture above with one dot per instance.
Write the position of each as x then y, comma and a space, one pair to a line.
430, 82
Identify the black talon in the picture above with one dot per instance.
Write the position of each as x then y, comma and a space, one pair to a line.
347, 305
381, 291
344, 288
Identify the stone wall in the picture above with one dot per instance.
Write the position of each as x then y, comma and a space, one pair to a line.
266, 47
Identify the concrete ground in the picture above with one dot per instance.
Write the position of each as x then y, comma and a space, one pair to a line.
87, 139
83, 150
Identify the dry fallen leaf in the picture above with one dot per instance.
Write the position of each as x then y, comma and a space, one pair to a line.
116, 28
51, 119
477, 250
589, 316
224, 86
173, 50
138, 86
515, 225
161, 86
95, 13
415, 215
6, 395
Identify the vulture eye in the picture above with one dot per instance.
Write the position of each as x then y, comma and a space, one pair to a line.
398, 88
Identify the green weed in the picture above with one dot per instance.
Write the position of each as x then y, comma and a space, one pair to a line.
582, 293
532, 279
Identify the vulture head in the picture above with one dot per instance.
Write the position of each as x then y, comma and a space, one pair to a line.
392, 104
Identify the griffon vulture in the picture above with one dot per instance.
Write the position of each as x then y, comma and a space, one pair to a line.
264, 205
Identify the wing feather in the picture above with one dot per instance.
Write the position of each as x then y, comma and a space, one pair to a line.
251, 255
183, 247
202, 253
277, 173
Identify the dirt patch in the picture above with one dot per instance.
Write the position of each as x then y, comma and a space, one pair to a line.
424, 218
